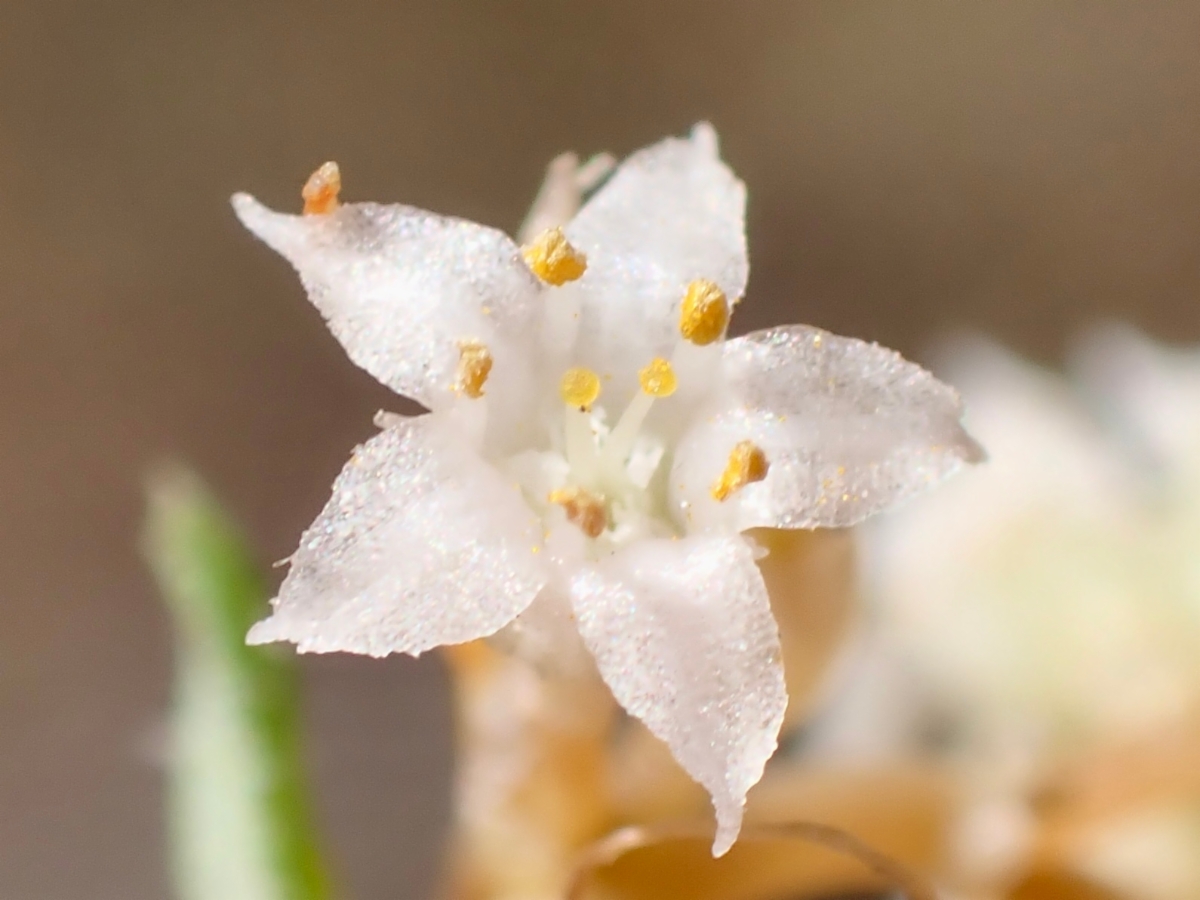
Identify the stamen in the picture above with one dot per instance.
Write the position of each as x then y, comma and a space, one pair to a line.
580, 443
474, 366
583, 509
553, 259
579, 388
321, 191
704, 313
747, 464
657, 380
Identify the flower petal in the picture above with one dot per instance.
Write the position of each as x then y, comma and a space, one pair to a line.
672, 213
401, 288
1148, 392
848, 429
683, 634
422, 544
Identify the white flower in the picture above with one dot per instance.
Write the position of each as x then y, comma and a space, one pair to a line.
1043, 613
594, 444
1054, 594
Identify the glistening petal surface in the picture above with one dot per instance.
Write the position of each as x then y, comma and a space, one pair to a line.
422, 544
671, 213
683, 634
401, 288
849, 428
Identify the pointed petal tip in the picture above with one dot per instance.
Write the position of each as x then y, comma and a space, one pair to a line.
254, 215
973, 452
704, 136
729, 826
264, 632
704, 675
244, 204
288, 234
730, 804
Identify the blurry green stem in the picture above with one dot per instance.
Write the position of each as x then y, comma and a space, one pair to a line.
237, 806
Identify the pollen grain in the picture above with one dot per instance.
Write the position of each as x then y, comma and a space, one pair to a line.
321, 191
704, 313
583, 509
474, 366
553, 259
747, 464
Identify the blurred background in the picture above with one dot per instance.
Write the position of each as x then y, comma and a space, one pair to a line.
1021, 169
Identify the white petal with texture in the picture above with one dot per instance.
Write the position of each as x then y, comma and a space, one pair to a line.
422, 544
848, 428
670, 214
683, 634
401, 288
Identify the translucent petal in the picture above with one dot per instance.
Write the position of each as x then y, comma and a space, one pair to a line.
546, 637
422, 544
401, 288
1149, 391
848, 428
671, 213
682, 633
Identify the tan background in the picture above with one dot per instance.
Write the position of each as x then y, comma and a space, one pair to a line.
1016, 167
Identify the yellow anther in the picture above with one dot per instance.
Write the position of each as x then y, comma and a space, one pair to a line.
658, 378
553, 259
704, 313
474, 366
747, 464
579, 387
583, 509
321, 191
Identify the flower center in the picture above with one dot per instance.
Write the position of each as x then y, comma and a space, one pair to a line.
598, 480
604, 486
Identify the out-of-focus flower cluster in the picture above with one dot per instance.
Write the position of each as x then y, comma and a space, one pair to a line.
1036, 625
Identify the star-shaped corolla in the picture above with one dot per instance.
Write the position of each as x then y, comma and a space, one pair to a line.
594, 444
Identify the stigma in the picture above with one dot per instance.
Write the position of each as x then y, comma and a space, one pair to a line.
553, 259
747, 464
658, 378
321, 191
579, 388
